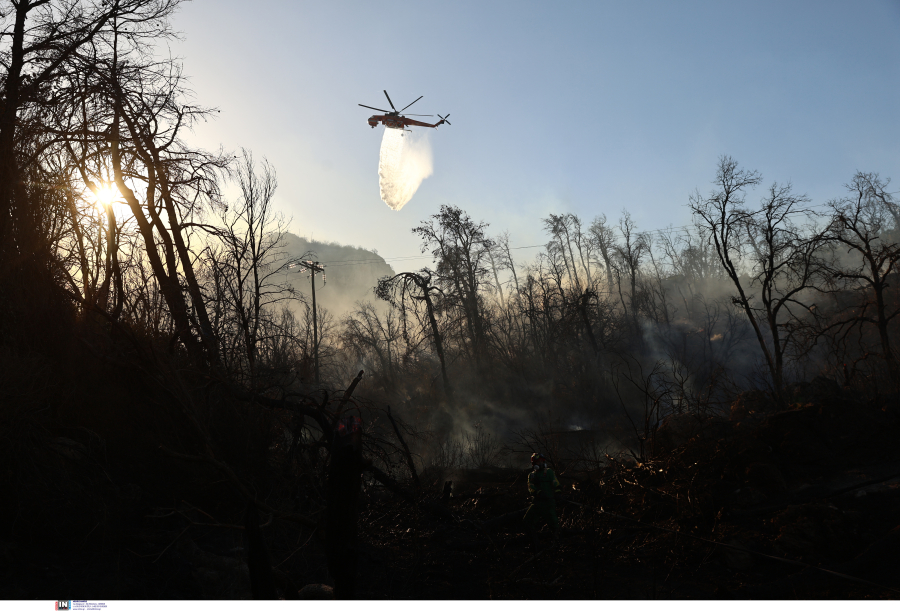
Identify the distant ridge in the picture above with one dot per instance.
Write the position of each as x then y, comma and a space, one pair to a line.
345, 284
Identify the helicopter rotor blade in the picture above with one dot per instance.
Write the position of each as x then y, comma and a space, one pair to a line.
373, 108
411, 103
389, 100
412, 115
444, 119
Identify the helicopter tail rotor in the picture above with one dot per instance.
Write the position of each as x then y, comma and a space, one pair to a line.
444, 119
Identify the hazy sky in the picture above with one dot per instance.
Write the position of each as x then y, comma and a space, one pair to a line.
583, 107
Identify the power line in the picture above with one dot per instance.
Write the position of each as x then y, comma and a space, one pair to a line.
683, 230
405, 258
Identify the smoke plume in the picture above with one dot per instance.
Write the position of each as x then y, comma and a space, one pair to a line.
404, 163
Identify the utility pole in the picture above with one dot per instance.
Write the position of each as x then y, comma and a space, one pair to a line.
313, 267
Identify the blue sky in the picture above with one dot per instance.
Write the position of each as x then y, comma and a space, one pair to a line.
584, 107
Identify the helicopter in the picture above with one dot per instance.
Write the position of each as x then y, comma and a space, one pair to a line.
395, 120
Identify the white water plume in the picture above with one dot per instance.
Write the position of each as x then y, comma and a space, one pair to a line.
404, 163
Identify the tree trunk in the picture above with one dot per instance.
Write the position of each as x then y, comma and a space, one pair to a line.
259, 564
168, 284
342, 494
438, 342
9, 171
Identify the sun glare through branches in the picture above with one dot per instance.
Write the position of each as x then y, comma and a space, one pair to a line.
106, 195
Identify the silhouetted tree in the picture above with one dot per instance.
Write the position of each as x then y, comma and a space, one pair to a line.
784, 258
251, 265
408, 287
460, 249
861, 225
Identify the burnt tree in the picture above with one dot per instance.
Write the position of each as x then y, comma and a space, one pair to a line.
342, 496
397, 290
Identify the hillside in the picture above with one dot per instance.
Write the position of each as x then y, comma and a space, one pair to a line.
351, 272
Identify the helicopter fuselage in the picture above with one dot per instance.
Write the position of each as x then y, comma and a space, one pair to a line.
398, 121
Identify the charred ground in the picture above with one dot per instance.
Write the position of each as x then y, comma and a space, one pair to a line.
100, 506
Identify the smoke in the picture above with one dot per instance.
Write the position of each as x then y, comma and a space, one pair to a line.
404, 163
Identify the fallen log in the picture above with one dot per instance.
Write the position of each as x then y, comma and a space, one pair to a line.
406, 452
225, 470
467, 546
314, 411
388, 482
819, 494
506, 518
875, 562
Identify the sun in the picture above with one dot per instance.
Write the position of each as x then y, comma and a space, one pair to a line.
105, 194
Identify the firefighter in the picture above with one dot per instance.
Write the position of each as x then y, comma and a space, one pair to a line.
544, 488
